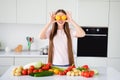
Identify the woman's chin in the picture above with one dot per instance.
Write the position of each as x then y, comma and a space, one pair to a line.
61, 24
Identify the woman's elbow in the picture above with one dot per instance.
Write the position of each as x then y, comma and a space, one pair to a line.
82, 34
42, 37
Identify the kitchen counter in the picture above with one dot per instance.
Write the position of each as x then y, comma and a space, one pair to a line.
22, 54
104, 74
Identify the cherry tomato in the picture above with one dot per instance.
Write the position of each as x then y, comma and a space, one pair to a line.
32, 67
40, 70
25, 72
82, 73
60, 73
48, 64
86, 74
73, 66
45, 68
91, 73
85, 67
35, 70
30, 71
65, 71
69, 69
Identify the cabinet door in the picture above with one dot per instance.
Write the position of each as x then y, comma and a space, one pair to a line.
114, 0
3, 69
114, 30
68, 5
31, 11
27, 60
5, 63
93, 13
7, 11
6, 60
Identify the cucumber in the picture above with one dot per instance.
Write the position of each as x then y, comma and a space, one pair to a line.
42, 74
81, 69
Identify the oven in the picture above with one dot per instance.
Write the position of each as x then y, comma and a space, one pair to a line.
94, 44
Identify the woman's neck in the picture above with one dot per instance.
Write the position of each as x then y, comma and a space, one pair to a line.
60, 27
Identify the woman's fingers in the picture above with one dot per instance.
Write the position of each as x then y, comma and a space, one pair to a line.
69, 16
52, 16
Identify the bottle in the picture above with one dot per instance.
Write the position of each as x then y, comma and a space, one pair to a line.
7, 49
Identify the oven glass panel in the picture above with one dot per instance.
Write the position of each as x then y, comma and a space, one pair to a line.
92, 46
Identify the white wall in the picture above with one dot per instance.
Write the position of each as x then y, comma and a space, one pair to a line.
13, 34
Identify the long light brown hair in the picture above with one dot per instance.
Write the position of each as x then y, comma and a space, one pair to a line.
69, 40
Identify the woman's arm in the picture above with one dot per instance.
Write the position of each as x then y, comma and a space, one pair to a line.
44, 30
79, 31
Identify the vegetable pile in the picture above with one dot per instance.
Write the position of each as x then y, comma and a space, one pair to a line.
38, 69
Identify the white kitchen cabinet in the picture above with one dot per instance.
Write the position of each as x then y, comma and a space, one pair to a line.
26, 60
6, 60
68, 5
93, 13
7, 11
5, 63
31, 11
3, 69
114, 30
115, 0
92, 61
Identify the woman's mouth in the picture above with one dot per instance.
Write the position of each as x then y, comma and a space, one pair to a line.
61, 22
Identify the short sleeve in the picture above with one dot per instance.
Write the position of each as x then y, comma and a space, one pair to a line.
48, 33
73, 32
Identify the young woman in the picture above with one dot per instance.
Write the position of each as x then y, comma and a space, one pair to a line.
60, 52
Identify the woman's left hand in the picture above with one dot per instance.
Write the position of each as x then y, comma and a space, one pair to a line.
69, 17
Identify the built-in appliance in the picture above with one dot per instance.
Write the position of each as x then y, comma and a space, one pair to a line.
94, 44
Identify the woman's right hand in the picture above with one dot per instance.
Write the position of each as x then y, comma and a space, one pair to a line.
52, 17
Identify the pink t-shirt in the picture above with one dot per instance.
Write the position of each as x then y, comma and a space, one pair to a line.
60, 56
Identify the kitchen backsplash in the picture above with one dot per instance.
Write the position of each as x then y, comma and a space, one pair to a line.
11, 35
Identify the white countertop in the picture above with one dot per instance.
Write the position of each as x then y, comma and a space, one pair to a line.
104, 74
21, 54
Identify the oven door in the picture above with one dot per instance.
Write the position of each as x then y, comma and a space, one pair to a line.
92, 46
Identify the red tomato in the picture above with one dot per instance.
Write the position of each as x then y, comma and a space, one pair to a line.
86, 74
30, 71
45, 67
91, 73
35, 70
85, 66
65, 71
40, 70
32, 67
60, 73
82, 73
24, 72
69, 69
48, 64
73, 66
